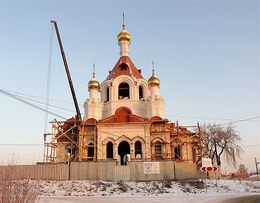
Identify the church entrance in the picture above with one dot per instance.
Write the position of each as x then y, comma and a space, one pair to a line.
124, 152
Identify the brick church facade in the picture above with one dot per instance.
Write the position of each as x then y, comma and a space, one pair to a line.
124, 117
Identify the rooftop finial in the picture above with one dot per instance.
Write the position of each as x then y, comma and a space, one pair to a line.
153, 67
94, 69
123, 21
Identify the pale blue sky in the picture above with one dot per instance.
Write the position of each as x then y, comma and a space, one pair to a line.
206, 54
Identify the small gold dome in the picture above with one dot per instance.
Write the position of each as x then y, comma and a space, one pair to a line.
154, 81
124, 35
93, 84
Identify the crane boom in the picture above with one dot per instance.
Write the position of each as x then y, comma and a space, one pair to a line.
78, 115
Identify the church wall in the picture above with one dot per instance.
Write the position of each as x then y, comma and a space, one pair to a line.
184, 142
93, 109
117, 133
164, 139
155, 107
133, 85
137, 107
187, 153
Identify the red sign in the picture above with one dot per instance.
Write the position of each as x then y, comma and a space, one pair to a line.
213, 168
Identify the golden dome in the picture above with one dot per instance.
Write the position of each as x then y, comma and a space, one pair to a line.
154, 81
93, 84
124, 35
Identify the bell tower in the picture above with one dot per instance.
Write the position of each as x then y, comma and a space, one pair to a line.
93, 105
155, 103
124, 85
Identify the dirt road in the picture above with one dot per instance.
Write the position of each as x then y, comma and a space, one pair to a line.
182, 199
247, 199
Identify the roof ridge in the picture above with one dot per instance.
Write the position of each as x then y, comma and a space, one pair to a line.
118, 69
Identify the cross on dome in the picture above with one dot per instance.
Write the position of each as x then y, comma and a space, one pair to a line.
123, 21
94, 69
123, 35
93, 83
153, 80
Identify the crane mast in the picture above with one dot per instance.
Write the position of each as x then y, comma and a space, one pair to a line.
78, 115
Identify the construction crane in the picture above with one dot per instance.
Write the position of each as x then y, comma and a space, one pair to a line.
68, 139
78, 115
66, 132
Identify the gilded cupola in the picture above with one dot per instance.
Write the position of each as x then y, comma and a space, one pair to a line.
153, 80
124, 35
93, 83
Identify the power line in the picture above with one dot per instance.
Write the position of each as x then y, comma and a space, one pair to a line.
14, 144
33, 100
33, 96
30, 104
27, 96
205, 118
241, 120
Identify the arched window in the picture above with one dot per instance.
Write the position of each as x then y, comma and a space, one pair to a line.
107, 94
141, 93
91, 151
109, 150
138, 149
158, 149
123, 91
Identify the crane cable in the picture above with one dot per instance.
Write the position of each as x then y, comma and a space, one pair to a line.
48, 82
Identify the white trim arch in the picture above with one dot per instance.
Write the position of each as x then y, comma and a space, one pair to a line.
103, 89
89, 141
138, 138
142, 141
125, 79
157, 139
143, 83
123, 138
109, 139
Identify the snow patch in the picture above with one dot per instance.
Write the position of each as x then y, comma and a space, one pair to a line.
148, 188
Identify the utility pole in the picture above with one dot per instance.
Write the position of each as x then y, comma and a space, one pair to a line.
256, 163
68, 166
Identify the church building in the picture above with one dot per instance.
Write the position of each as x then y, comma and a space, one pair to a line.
125, 119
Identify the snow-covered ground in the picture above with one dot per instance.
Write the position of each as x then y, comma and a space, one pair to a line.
145, 199
165, 189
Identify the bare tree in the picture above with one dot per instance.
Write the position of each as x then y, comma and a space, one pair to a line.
221, 140
14, 189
